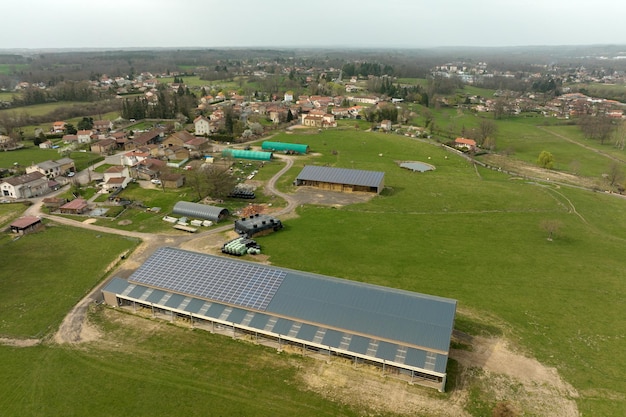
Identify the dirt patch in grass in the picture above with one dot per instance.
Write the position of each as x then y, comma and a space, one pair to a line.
534, 172
19, 342
502, 374
510, 376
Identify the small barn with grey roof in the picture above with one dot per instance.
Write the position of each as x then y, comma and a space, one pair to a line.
341, 179
200, 211
407, 334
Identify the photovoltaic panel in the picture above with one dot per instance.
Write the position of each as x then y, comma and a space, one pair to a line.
211, 277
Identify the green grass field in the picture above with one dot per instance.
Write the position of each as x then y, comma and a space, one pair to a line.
30, 154
473, 235
53, 271
478, 239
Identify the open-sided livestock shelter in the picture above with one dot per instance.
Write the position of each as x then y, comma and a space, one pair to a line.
341, 179
405, 333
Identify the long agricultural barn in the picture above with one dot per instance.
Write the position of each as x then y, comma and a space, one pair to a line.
200, 211
243, 154
405, 333
341, 179
285, 147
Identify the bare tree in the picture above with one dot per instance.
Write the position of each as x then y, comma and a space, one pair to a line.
211, 180
551, 227
599, 127
615, 174
487, 129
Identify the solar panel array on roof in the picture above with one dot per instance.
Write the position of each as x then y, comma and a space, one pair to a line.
340, 176
288, 328
402, 328
249, 285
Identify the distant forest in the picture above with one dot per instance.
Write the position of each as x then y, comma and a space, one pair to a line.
53, 67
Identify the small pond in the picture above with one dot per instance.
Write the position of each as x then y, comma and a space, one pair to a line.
417, 166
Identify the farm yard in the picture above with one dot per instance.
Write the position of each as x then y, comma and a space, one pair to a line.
460, 231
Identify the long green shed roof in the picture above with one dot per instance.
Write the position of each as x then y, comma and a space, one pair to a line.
283, 146
243, 154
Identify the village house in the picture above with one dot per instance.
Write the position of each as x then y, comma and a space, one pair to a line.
116, 177
198, 145
175, 153
52, 169
202, 126
147, 168
465, 144
153, 136
46, 145
25, 186
102, 126
84, 136
315, 120
70, 139
177, 139
104, 146
58, 127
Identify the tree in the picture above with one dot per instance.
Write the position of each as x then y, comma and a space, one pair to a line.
70, 129
599, 127
615, 174
220, 182
211, 180
545, 160
551, 227
487, 129
85, 124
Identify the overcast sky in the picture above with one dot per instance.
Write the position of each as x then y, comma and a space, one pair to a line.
326, 23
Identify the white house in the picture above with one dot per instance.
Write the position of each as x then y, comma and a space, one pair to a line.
116, 177
202, 125
25, 186
84, 136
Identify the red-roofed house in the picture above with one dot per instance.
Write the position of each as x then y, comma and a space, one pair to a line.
462, 143
58, 127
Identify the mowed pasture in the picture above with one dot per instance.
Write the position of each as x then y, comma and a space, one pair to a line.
476, 235
462, 232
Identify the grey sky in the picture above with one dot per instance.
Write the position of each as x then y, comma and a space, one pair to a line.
326, 23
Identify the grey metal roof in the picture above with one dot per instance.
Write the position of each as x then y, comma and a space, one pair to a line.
384, 312
387, 324
341, 176
199, 211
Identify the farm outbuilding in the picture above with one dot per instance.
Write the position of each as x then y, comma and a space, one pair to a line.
243, 154
285, 147
404, 333
259, 224
341, 179
200, 211
26, 224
